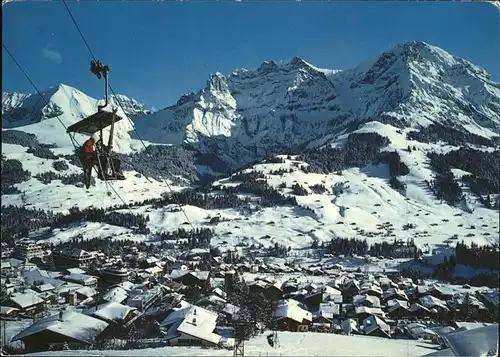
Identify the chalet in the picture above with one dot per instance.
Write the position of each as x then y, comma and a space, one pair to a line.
385, 282
7, 311
431, 302
73, 258
375, 326
39, 277
43, 288
119, 317
192, 278
421, 331
440, 292
148, 262
292, 316
28, 302
393, 293
290, 286
85, 293
211, 300
350, 326
257, 286
332, 294
191, 325
372, 290
326, 313
363, 312
146, 299
219, 292
350, 289
313, 298
366, 300
230, 311
82, 279
75, 329
417, 310
489, 298
273, 292
398, 308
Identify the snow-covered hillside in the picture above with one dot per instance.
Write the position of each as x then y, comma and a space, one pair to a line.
365, 206
309, 197
283, 105
30, 113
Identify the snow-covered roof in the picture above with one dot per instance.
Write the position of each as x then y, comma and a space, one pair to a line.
5, 310
360, 299
36, 275
213, 299
117, 294
430, 301
75, 271
177, 273
80, 278
26, 299
45, 287
374, 322
73, 324
178, 314
200, 275
112, 311
481, 341
394, 291
68, 288
415, 306
291, 309
397, 304
200, 323
87, 291
369, 310
349, 325
220, 292
328, 310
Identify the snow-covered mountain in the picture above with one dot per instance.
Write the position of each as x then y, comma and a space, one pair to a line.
32, 114
435, 112
284, 105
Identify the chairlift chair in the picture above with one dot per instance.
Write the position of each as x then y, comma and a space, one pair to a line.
108, 162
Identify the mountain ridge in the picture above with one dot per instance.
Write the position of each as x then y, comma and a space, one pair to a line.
286, 105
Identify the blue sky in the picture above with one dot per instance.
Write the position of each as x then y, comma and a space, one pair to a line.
160, 50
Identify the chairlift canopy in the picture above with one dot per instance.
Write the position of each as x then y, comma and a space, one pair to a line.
93, 123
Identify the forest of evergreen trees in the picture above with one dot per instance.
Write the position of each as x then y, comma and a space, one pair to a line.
351, 246
193, 198
436, 132
254, 182
12, 173
483, 180
479, 257
198, 238
359, 151
18, 222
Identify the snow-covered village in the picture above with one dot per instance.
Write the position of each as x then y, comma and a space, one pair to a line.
324, 200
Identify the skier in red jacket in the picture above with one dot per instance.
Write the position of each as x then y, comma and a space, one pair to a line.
89, 158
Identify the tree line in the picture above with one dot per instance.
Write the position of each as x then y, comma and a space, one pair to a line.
355, 246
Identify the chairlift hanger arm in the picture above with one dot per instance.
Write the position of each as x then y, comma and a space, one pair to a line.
101, 70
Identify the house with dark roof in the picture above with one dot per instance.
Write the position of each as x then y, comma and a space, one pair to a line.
77, 330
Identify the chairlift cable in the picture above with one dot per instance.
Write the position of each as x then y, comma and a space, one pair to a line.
74, 142
121, 106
